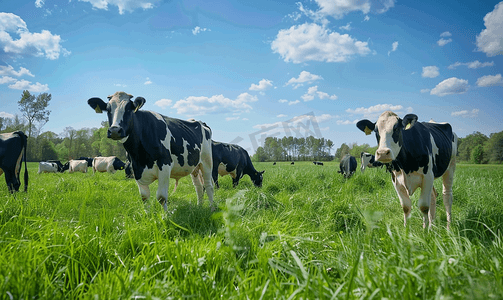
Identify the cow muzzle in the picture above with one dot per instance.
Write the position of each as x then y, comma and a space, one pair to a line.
384, 155
115, 133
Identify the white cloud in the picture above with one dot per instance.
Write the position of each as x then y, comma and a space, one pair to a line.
295, 120
443, 42
293, 102
39, 3
6, 115
338, 9
231, 118
281, 116
445, 34
163, 103
27, 85
9, 71
490, 40
122, 5
346, 122
393, 47
450, 86
120, 85
147, 81
425, 91
6, 79
490, 80
471, 65
43, 44
282, 101
313, 91
263, 85
465, 113
198, 30
215, 104
346, 27
312, 42
367, 18
430, 71
376, 110
304, 77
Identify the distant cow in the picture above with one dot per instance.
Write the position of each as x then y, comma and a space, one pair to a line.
108, 164
159, 147
292, 163
12, 151
47, 167
77, 166
233, 160
347, 167
318, 163
368, 160
88, 159
416, 153
61, 167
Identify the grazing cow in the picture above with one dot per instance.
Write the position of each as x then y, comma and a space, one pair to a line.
416, 153
88, 159
368, 160
292, 163
12, 151
159, 147
234, 160
108, 164
61, 167
274, 163
47, 167
77, 166
347, 167
318, 163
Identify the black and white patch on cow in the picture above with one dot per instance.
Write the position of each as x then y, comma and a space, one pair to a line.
233, 160
416, 153
347, 166
368, 161
12, 152
159, 147
47, 167
108, 164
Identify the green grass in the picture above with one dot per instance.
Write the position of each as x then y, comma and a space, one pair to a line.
308, 233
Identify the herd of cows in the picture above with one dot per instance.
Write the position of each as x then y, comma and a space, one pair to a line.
159, 148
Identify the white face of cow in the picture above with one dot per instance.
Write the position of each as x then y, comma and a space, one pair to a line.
388, 132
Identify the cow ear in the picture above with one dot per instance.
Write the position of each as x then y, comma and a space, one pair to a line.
409, 121
366, 126
138, 103
97, 104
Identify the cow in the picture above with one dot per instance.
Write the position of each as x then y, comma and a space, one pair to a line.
368, 161
47, 167
292, 163
88, 159
159, 147
108, 164
61, 168
233, 160
128, 170
347, 167
415, 153
77, 166
317, 163
12, 154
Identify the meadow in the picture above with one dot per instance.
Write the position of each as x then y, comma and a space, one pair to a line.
308, 233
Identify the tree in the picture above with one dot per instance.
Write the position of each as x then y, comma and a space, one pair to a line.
34, 109
466, 145
493, 148
477, 155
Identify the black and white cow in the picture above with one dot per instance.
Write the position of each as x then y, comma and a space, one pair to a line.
234, 160
47, 167
12, 151
88, 159
61, 168
368, 161
416, 153
347, 167
108, 164
159, 147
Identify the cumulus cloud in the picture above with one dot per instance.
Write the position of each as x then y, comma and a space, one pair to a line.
293, 122
281, 116
147, 81
293, 102
471, 65
304, 77
16, 39
198, 30
425, 91
490, 40
7, 79
312, 42
393, 47
346, 27
346, 122
338, 9
430, 71
312, 92
27, 85
490, 80
122, 5
4, 114
450, 86
215, 104
9, 71
163, 103
376, 110
442, 41
283, 101
465, 113
263, 85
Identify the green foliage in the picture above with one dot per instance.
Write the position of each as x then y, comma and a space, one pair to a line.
292, 148
308, 233
477, 155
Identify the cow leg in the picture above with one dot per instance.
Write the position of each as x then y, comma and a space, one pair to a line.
144, 192
208, 183
405, 201
196, 181
425, 201
163, 187
447, 182
12, 181
433, 205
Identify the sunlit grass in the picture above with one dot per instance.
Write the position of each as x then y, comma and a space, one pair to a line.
308, 233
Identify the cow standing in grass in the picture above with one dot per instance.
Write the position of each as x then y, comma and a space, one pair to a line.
76, 165
347, 166
12, 151
108, 164
369, 161
159, 147
416, 153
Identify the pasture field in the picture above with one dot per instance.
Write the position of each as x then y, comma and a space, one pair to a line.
306, 234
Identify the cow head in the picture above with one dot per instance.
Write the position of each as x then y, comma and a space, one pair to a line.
118, 164
257, 178
388, 130
120, 110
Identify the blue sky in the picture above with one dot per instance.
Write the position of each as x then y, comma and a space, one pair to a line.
252, 69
